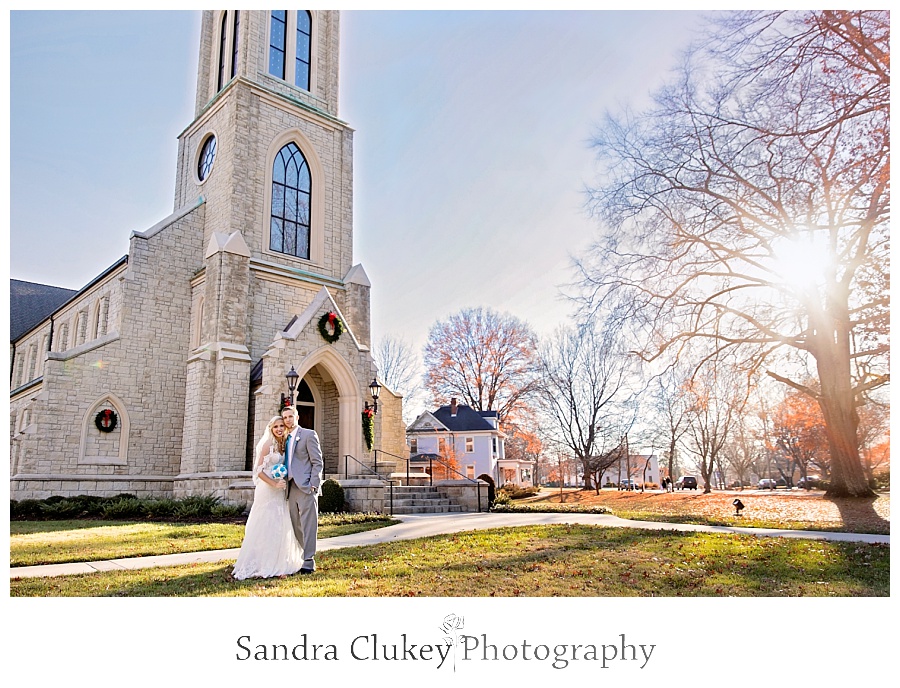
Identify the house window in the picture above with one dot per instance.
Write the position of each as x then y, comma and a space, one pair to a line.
413, 445
442, 446
470, 445
494, 445
277, 34
291, 190
470, 471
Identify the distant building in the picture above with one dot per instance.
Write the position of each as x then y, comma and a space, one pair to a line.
472, 439
641, 468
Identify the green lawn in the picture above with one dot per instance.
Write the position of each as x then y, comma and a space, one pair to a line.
58, 542
559, 560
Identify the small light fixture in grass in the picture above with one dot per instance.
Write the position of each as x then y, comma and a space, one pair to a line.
738, 505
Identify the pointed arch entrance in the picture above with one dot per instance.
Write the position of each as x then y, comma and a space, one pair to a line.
337, 398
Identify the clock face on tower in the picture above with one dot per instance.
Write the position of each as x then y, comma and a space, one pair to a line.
207, 157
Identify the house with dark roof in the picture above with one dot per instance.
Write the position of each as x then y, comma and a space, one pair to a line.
470, 441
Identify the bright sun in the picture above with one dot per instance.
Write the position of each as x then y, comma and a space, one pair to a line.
803, 260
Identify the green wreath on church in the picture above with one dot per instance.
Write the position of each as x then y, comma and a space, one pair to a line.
106, 420
332, 321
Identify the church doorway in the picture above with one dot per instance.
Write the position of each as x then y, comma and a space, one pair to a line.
306, 406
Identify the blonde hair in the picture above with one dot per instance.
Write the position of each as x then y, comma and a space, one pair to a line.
269, 436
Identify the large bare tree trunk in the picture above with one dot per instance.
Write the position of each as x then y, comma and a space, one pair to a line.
831, 349
841, 421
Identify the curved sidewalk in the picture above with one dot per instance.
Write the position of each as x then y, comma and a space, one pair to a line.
425, 525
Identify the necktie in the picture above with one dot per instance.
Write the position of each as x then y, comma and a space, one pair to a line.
287, 455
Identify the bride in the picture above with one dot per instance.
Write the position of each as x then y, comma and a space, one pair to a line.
269, 547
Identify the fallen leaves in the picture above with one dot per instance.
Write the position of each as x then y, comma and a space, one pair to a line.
810, 508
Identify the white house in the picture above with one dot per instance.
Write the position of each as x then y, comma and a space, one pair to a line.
472, 439
641, 468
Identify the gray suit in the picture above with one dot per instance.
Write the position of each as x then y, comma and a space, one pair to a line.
304, 456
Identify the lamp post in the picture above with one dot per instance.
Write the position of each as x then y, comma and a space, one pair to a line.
374, 390
292, 378
368, 421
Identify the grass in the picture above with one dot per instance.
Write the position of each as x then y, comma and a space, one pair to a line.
557, 560
58, 542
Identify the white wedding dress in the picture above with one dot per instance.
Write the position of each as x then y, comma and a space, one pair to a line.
269, 547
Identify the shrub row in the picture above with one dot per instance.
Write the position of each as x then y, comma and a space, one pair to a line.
347, 518
548, 508
121, 506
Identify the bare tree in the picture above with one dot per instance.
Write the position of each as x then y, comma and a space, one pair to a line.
715, 402
481, 356
669, 403
599, 464
399, 368
750, 207
584, 392
743, 450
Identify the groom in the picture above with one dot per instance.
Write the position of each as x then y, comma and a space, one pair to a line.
303, 457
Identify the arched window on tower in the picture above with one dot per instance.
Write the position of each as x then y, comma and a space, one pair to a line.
277, 35
234, 42
291, 188
303, 50
223, 42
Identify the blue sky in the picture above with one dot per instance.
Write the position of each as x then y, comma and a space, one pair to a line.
471, 145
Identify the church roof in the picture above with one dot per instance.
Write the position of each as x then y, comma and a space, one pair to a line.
30, 303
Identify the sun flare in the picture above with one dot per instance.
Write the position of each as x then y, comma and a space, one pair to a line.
803, 260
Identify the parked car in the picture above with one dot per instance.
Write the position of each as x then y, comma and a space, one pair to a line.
766, 484
686, 482
628, 485
809, 482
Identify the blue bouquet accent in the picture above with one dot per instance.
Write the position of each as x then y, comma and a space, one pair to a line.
279, 471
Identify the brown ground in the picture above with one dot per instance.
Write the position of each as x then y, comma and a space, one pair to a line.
794, 508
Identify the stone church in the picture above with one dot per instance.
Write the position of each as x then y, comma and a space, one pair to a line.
158, 377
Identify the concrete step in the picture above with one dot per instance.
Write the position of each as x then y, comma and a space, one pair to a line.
438, 501
420, 499
444, 509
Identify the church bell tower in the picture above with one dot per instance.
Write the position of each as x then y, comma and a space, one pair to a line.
271, 163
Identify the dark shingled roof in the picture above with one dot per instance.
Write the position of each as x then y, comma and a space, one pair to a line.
466, 419
30, 303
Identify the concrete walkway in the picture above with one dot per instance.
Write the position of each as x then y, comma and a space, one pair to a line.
425, 525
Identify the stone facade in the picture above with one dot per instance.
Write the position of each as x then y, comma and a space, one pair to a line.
167, 339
